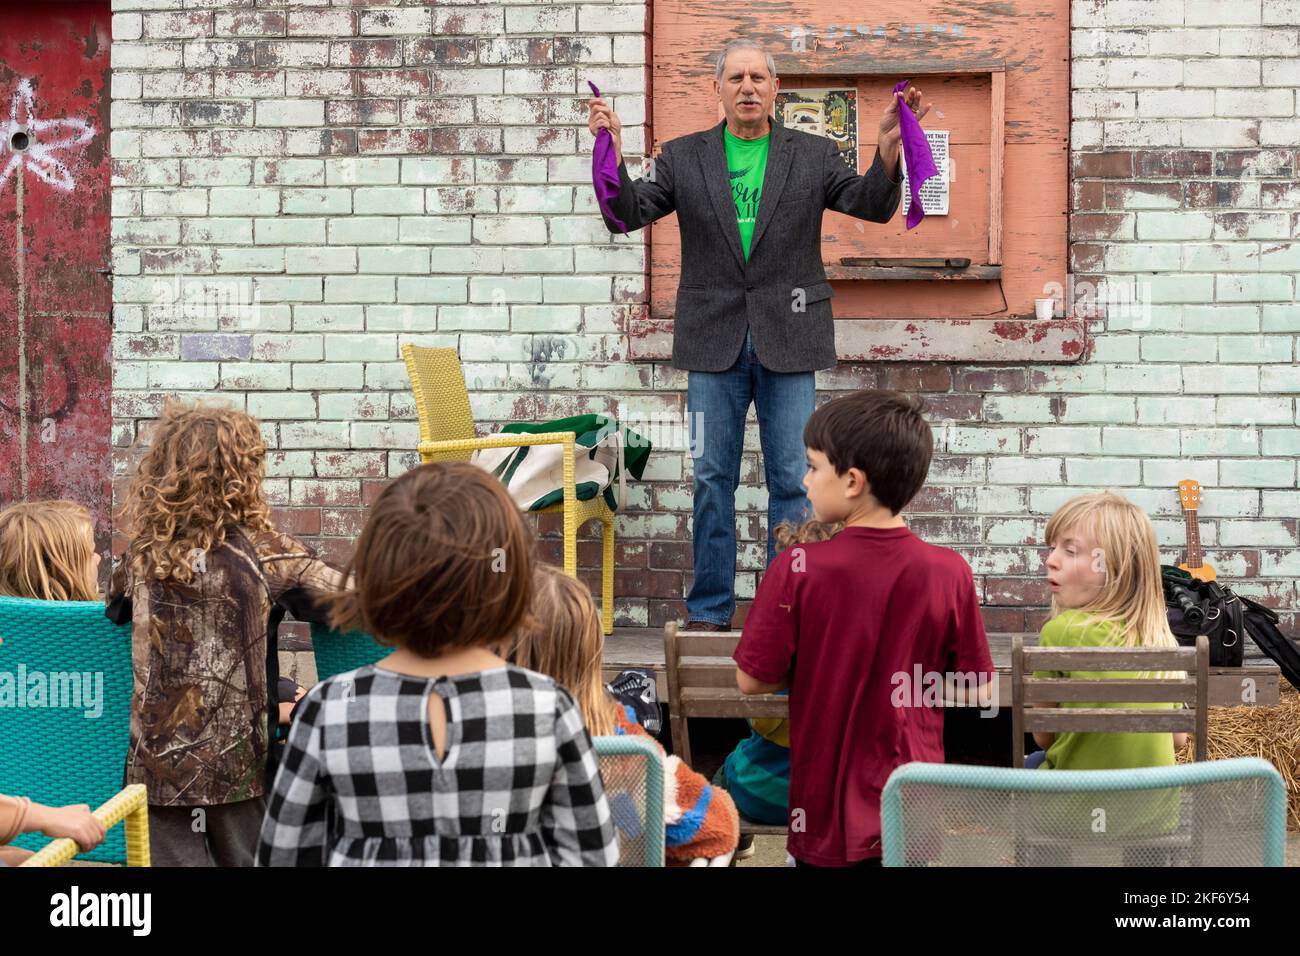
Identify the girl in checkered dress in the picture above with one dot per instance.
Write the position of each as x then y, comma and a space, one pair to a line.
441, 754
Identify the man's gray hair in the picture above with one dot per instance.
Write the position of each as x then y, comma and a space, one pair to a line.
742, 44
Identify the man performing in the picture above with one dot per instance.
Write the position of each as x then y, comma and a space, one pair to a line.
753, 314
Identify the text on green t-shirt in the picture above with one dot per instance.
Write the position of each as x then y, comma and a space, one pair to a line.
746, 164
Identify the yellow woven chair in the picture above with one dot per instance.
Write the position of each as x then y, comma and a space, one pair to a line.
130, 806
447, 434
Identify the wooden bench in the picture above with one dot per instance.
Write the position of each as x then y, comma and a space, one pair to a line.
643, 647
701, 680
1192, 691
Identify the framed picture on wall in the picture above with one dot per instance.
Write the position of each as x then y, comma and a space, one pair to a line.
832, 113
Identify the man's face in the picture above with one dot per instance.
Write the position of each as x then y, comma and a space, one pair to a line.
746, 89
832, 496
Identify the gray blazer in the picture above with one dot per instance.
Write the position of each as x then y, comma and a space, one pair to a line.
781, 292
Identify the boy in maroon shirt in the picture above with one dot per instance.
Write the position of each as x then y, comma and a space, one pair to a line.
844, 624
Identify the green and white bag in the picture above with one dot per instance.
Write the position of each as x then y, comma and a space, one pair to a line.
604, 451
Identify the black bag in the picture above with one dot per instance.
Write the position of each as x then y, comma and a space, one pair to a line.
1205, 607
1226, 618
1261, 625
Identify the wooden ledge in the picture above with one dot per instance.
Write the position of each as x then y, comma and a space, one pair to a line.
1059, 341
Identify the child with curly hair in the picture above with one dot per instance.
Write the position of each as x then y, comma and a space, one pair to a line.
204, 578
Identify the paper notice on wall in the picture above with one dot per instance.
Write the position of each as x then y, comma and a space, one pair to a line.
934, 191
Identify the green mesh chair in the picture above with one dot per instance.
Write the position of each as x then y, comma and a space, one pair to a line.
632, 770
338, 652
68, 744
1215, 813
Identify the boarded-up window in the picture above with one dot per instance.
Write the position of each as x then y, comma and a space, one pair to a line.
997, 77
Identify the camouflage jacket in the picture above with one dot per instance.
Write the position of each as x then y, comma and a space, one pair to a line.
199, 705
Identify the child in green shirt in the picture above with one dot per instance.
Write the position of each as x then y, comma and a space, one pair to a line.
1104, 574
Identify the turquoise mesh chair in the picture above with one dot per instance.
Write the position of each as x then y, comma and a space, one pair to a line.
1213, 813
59, 754
632, 770
338, 652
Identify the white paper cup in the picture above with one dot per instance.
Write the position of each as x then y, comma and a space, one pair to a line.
1044, 309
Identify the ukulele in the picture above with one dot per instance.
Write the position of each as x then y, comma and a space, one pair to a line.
1190, 493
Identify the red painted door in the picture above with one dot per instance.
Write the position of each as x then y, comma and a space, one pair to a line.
55, 289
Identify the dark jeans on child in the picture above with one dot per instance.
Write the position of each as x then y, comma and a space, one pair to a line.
224, 834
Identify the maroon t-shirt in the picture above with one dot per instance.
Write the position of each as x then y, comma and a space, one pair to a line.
847, 615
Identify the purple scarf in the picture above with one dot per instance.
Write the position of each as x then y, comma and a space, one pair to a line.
917, 155
604, 170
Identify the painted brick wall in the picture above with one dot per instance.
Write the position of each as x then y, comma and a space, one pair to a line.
1183, 136
367, 174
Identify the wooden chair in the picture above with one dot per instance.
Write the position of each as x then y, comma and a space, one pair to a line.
702, 683
1193, 691
447, 433
130, 807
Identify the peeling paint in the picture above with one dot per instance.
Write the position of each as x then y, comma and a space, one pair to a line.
55, 303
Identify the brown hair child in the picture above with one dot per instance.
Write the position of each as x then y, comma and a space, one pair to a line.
442, 753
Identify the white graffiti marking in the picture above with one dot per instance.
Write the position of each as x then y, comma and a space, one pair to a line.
46, 137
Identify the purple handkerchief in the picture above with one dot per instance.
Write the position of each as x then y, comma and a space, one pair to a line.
604, 170
916, 154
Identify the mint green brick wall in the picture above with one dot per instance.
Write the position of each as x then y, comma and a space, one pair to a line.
353, 196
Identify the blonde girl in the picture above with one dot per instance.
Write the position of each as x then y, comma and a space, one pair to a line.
47, 552
565, 642
1103, 571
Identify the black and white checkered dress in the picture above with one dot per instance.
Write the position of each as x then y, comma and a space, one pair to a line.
361, 784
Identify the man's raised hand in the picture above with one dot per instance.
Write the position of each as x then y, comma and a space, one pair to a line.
601, 115
891, 133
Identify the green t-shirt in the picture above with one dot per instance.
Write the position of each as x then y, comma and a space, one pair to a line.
1117, 816
746, 164
1082, 751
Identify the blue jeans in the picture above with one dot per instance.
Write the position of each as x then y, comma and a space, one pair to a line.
716, 405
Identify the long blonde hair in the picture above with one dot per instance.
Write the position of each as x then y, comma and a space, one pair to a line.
566, 642
201, 474
1132, 599
46, 551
